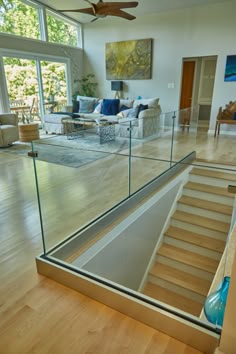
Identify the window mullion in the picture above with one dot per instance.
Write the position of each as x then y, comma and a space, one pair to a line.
43, 24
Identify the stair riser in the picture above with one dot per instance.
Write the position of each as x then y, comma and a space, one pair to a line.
198, 229
185, 268
203, 212
210, 181
208, 196
178, 289
192, 248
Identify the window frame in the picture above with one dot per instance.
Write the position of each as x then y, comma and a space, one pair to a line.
43, 28
5, 104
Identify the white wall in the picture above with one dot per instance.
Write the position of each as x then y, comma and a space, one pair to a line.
123, 255
199, 31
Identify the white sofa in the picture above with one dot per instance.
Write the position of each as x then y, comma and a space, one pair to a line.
8, 129
146, 124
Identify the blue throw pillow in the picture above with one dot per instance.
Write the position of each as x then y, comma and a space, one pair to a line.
234, 116
110, 107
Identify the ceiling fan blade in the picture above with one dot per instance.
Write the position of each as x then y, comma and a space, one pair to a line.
88, 11
121, 5
120, 13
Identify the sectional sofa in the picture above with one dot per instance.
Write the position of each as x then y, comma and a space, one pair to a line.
141, 115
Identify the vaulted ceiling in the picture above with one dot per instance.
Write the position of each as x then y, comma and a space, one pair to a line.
145, 7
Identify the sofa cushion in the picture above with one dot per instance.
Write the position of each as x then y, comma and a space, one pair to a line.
86, 106
126, 102
151, 102
110, 106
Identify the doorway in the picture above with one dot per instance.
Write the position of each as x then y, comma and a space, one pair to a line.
198, 78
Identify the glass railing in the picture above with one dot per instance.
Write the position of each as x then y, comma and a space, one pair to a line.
105, 204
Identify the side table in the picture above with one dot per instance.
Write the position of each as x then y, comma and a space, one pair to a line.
28, 132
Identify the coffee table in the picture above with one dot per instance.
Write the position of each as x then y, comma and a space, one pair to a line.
76, 127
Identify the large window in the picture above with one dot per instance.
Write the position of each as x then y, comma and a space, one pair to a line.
19, 18
24, 18
42, 83
60, 31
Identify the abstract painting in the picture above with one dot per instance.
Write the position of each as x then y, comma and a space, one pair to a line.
129, 60
230, 68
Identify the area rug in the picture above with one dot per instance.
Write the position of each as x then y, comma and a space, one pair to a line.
72, 153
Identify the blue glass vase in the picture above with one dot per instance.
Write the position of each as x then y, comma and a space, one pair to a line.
214, 307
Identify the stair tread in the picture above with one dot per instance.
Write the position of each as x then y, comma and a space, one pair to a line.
181, 278
195, 238
205, 204
228, 176
193, 259
208, 189
171, 298
201, 221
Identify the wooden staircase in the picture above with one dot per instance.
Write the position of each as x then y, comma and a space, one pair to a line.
192, 247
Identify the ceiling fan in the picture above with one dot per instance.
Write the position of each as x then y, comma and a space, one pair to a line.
102, 9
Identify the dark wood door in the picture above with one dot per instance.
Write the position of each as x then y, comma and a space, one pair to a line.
187, 84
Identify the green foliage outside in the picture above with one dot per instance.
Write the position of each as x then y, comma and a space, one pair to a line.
22, 78
21, 19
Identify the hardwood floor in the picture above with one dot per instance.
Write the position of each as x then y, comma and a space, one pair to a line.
37, 314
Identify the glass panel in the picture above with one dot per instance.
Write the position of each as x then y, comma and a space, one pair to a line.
19, 18
168, 247
60, 31
185, 132
54, 85
150, 148
72, 162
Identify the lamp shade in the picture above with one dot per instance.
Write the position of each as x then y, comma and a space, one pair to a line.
117, 85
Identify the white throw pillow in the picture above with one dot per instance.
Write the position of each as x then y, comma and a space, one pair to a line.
126, 102
98, 107
151, 102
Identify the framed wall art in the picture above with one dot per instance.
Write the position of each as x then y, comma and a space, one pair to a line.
230, 68
129, 60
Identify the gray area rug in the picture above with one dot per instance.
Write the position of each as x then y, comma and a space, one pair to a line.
72, 153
